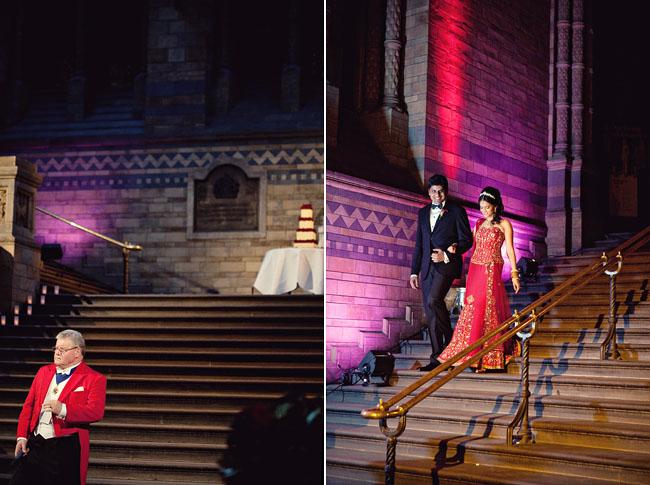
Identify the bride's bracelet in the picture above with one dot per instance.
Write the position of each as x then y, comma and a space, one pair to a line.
514, 274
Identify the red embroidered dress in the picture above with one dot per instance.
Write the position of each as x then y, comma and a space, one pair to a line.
486, 301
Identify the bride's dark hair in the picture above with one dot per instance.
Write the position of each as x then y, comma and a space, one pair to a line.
493, 196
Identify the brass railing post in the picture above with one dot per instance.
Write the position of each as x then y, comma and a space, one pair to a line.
609, 345
125, 280
126, 246
391, 446
521, 416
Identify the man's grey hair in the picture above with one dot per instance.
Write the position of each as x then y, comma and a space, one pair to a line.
75, 337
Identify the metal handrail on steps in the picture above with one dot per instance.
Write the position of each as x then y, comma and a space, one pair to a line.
524, 324
126, 246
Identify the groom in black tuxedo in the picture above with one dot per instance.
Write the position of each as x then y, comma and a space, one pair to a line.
443, 236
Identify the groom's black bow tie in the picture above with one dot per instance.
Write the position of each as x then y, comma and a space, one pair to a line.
436, 206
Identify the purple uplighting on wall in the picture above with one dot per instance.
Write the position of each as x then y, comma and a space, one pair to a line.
485, 105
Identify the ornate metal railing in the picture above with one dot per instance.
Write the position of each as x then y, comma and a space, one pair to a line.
127, 247
523, 323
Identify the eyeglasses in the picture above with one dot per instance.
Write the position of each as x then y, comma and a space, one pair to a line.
61, 350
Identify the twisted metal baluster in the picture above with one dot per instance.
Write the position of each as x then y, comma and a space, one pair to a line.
391, 445
609, 345
521, 416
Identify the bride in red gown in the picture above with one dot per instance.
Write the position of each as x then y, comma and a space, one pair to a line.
486, 302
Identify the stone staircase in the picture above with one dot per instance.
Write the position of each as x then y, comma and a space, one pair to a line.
179, 369
71, 281
590, 418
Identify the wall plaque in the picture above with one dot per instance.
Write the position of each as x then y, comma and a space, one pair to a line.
226, 200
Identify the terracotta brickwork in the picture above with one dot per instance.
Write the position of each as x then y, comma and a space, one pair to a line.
486, 106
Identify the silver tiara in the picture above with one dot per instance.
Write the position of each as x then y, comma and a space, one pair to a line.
488, 195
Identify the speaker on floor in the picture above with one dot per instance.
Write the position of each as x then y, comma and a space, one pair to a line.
376, 367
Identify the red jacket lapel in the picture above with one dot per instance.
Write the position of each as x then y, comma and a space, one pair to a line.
73, 381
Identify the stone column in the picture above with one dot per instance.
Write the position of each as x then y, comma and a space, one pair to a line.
372, 72
558, 219
577, 127
567, 179
290, 84
389, 124
77, 83
223, 90
20, 256
393, 55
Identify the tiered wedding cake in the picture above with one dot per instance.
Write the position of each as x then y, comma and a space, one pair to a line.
306, 236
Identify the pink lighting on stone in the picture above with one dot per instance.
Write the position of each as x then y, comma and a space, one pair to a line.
448, 32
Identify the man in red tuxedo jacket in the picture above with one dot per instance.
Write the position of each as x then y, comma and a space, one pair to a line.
65, 397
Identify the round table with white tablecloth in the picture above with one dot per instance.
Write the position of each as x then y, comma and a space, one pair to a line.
285, 269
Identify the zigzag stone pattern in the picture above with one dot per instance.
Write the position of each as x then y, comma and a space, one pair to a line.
197, 157
379, 234
169, 168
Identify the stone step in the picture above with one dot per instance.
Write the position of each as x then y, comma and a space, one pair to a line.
13, 395
161, 383
152, 415
545, 385
172, 343
628, 322
594, 289
4, 478
583, 367
100, 334
156, 312
359, 466
174, 370
630, 351
146, 321
107, 448
576, 310
445, 449
560, 335
154, 469
419, 351
553, 367
181, 301
204, 433
601, 282
618, 436
567, 407
195, 452
114, 481
630, 266
187, 356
